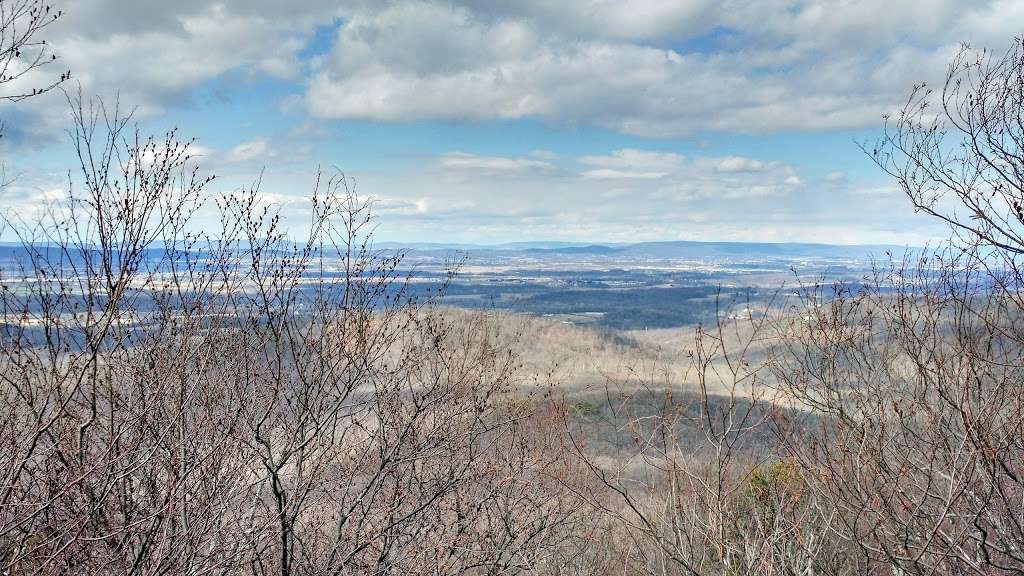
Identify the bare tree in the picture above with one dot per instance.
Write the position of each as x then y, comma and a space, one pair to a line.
882, 429
956, 154
918, 377
23, 51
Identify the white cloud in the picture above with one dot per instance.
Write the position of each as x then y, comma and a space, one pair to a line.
463, 161
643, 67
154, 68
736, 164
544, 155
612, 174
694, 202
648, 68
399, 206
835, 177
154, 54
252, 150
159, 152
881, 190
630, 158
679, 179
27, 201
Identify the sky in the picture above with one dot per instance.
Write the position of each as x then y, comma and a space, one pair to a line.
486, 122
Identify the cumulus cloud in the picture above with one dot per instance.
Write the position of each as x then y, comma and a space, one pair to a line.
647, 68
644, 67
154, 54
153, 68
735, 164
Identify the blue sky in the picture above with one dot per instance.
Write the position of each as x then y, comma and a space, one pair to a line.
486, 122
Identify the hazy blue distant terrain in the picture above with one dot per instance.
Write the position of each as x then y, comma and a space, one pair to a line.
635, 286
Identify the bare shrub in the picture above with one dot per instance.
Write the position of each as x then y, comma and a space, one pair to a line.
181, 401
919, 445
691, 483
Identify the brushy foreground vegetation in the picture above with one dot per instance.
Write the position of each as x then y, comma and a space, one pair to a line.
232, 401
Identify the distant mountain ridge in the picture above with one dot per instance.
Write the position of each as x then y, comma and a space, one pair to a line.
683, 249
673, 249
588, 249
